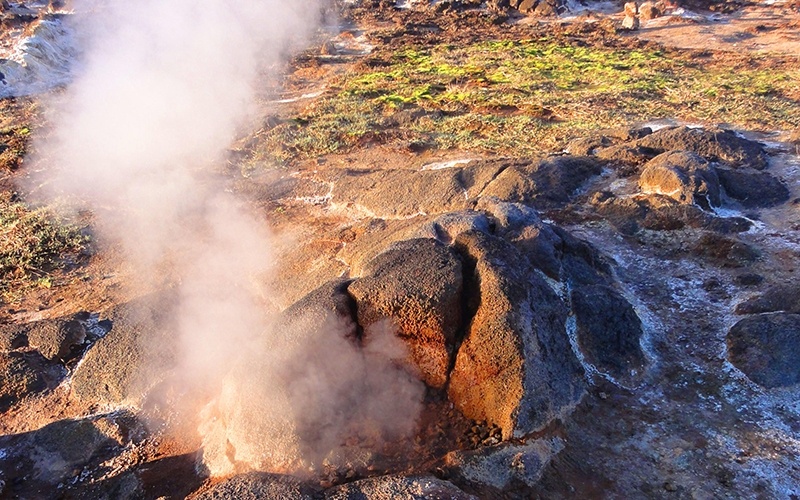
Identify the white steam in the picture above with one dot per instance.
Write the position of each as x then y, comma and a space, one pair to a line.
161, 90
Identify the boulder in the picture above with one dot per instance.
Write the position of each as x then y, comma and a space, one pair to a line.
775, 298
515, 367
582, 263
371, 237
753, 189
416, 487
259, 486
766, 348
683, 176
310, 392
608, 331
630, 22
417, 285
121, 366
447, 227
544, 184
331, 299
711, 144
406, 193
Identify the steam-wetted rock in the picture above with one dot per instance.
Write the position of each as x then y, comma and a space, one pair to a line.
496, 469
130, 358
753, 189
608, 331
35, 463
416, 487
295, 401
417, 286
259, 486
683, 176
329, 300
515, 367
45, 58
711, 144
544, 183
766, 348
775, 298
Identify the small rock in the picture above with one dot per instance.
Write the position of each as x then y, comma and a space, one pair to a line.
20, 374
631, 20
748, 279
504, 465
648, 10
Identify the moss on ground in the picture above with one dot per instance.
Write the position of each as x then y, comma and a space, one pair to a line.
529, 96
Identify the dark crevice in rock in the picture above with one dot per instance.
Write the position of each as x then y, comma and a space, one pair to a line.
470, 300
494, 178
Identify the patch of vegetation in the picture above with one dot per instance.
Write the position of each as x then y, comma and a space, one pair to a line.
13, 145
33, 244
528, 96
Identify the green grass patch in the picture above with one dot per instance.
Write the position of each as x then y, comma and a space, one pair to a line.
33, 244
554, 90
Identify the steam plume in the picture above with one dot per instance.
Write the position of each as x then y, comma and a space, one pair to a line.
162, 89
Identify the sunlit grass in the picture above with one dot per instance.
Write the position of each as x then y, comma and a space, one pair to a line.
528, 96
33, 244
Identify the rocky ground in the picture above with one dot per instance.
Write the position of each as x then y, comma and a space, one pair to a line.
610, 310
